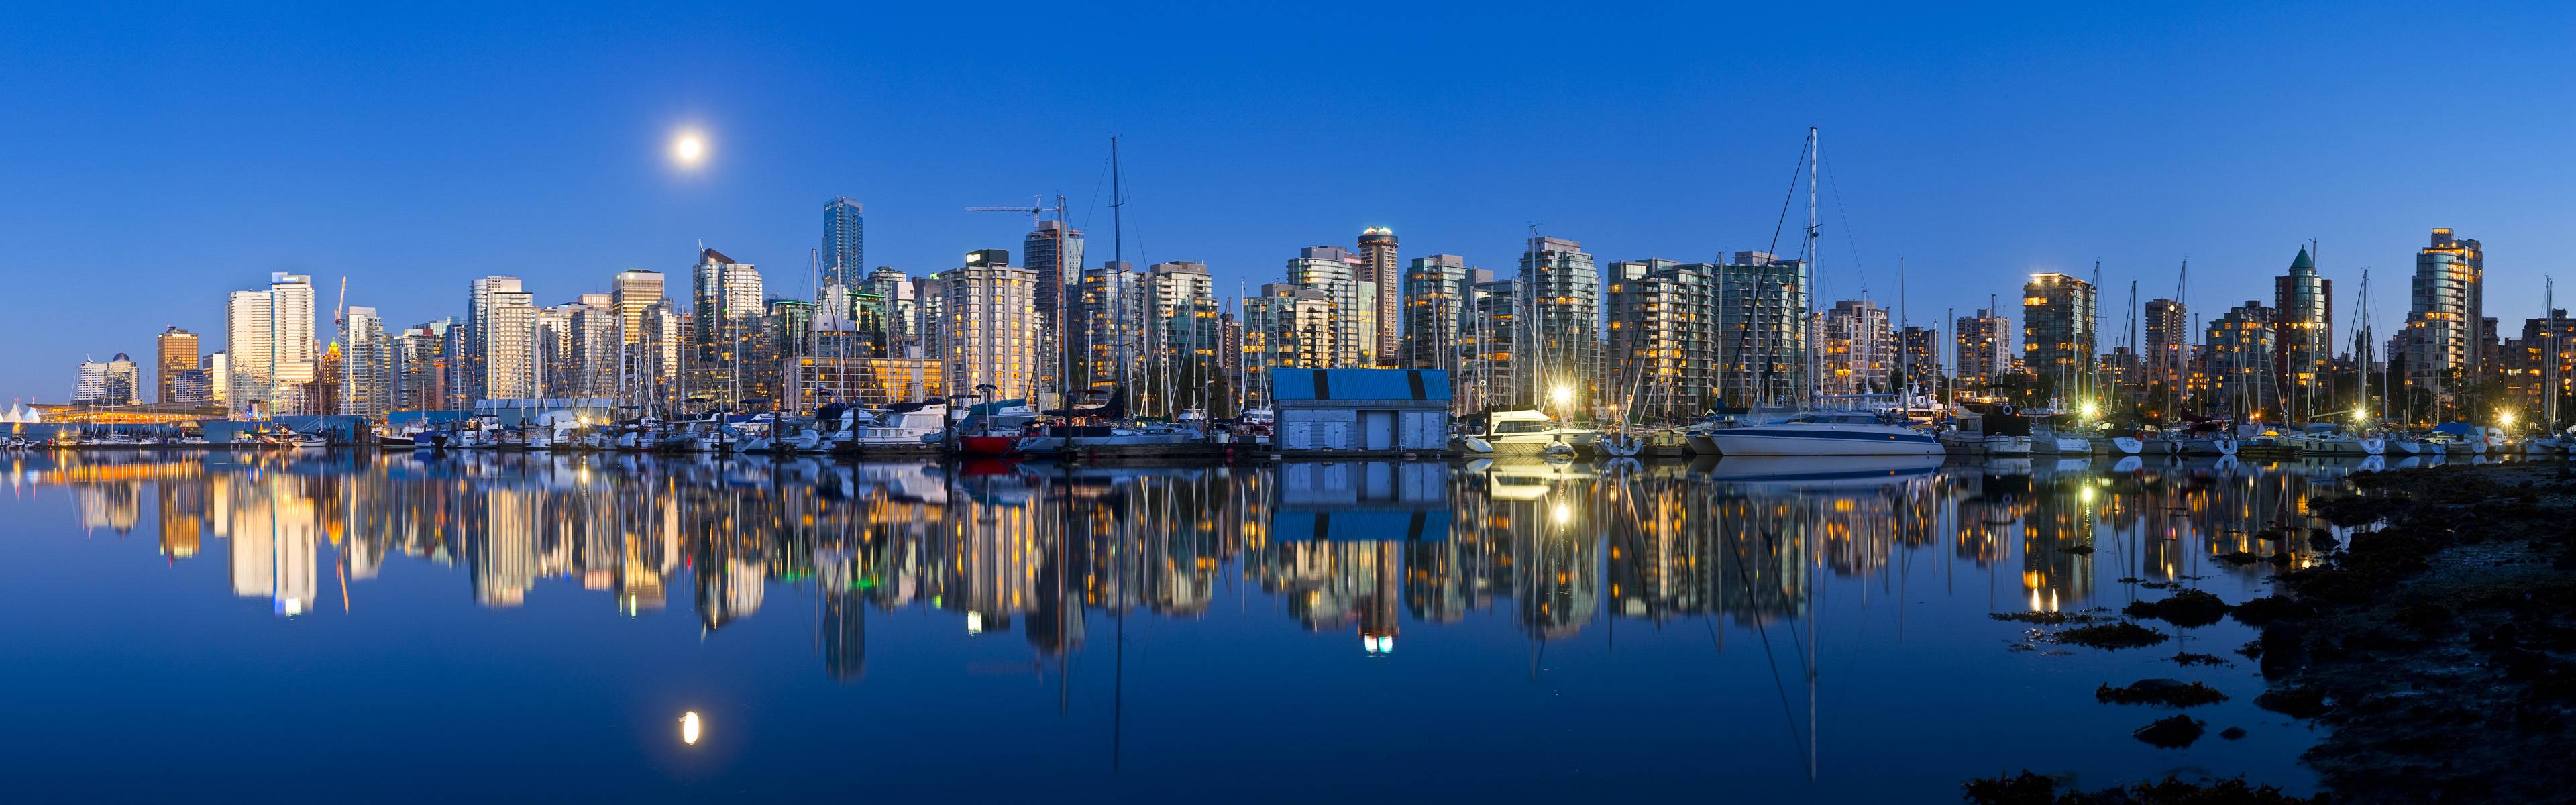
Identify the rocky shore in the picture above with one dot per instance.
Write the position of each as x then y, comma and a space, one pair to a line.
2437, 648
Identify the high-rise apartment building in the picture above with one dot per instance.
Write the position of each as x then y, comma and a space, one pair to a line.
175, 351
1335, 272
1859, 349
986, 329
1181, 337
2443, 326
1054, 251
1378, 267
1763, 330
1497, 375
2304, 334
1111, 321
366, 364
509, 334
1565, 323
1288, 326
1663, 336
420, 367
2168, 343
1985, 351
482, 296
269, 338
2058, 332
1918, 359
726, 309
218, 367
2242, 349
843, 255
1435, 309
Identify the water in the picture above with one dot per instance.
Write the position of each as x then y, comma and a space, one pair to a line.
531, 626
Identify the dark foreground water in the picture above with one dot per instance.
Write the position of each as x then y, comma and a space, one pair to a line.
526, 627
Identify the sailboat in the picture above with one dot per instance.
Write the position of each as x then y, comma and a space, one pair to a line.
1816, 432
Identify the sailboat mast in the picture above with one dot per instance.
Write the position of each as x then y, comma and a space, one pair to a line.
1815, 165
1118, 264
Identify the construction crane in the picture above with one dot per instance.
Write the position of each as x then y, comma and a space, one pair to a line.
340, 309
1035, 209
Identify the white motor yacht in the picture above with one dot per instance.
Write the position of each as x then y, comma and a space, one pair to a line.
1826, 433
1528, 433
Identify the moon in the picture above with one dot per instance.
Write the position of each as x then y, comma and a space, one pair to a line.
688, 149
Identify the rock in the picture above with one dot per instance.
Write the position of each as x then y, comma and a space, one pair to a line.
2172, 733
2263, 611
2295, 702
2183, 608
2117, 635
2188, 659
2232, 733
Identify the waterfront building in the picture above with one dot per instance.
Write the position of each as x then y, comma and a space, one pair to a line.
1663, 336
508, 334
296, 359
661, 351
1181, 337
420, 367
986, 326
844, 256
630, 292
1229, 351
726, 307
594, 341
1859, 349
192, 388
1335, 272
817, 380
1378, 267
110, 382
2058, 333
367, 365
1054, 251
2444, 326
1565, 323
2304, 335
1496, 327
174, 351
1918, 359
321, 395
1112, 321
1763, 330
2168, 343
902, 310
1287, 326
1434, 312
1985, 351
2523, 366
218, 368
2242, 378
482, 297
269, 336
2122, 371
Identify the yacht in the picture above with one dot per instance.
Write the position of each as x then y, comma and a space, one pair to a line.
903, 427
1826, 433
1993, 429
1528, 433
2327, 439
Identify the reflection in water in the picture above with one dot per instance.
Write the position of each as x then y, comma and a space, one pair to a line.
1346, 547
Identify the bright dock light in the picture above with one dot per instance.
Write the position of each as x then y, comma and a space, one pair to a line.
689, 728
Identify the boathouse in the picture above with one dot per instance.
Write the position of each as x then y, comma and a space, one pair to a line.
1360, 411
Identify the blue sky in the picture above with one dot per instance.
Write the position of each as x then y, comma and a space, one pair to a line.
162, 156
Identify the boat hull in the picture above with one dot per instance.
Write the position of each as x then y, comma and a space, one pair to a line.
1822, 440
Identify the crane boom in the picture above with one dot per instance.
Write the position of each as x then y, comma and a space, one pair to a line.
1034, 210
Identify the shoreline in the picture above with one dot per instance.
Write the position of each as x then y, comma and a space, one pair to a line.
2437, 647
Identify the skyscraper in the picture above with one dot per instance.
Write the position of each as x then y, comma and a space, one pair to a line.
1111, 321
2168, 343
1763, 330
296, 358
726, 309
500, 336
1918, 359
1335, 272
1859, 349
844, 258
481, 297
1378, 267
2242, 347
218, 367
176, 351
1663, 335
367, 365
249, 347
2058, 336
1565, 322
1181, 335
1054, 251
987, 328
1985, 351
1435, 307
2304, 335
1288, 326
2442, 334
420, 367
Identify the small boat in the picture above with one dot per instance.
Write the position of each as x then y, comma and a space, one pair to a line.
1529, 433
1988, 429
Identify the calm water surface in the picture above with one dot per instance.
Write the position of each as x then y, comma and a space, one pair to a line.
523, 627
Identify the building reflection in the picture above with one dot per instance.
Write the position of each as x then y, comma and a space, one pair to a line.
1358, 549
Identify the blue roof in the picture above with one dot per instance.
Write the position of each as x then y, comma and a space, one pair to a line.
1360, 384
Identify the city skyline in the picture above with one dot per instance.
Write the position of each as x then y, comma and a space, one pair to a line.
1974, 188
